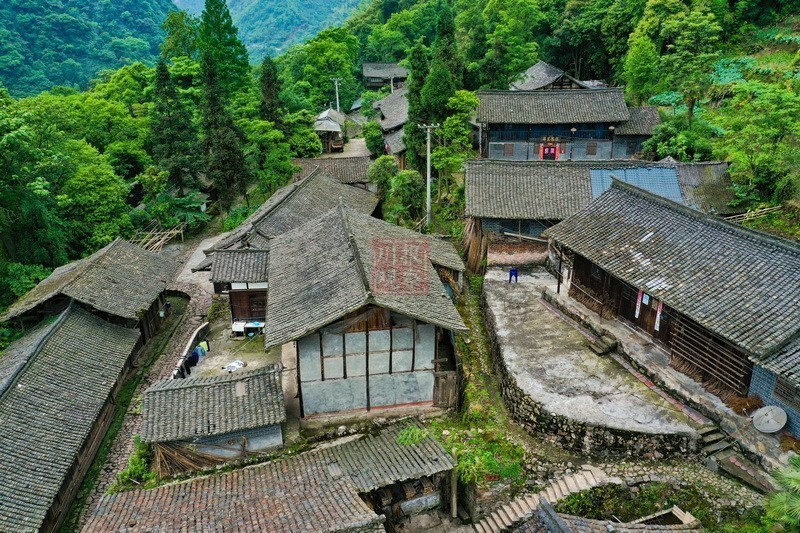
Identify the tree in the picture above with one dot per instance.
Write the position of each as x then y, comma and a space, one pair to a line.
225, 165
510, 44
381, 172
270, 86
182, 35
641, 71
173, 133
414, 138
373, 135
784, 506
405, 202
693, 41
456, 135
218, 42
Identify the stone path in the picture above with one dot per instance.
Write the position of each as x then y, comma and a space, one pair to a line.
162, 368
353, 148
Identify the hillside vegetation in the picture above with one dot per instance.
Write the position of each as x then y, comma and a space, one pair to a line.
67, 42
269, 27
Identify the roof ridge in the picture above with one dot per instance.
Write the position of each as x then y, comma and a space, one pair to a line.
356, 253
760, 237
545, 91
296, 186
91, 262
59, 322
194, 383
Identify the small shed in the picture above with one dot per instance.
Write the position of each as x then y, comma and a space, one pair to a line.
330, 126
202, 421
377, 75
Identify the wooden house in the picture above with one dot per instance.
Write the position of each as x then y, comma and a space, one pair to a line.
510, 203
371, 323
58, 387
204, 421
562, 124
330, 126
719, 297
393, 111
290, 207
357, 485
122, 283
377, 75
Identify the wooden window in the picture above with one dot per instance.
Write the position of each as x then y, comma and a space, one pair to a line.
786, 392
508, 149
591, 148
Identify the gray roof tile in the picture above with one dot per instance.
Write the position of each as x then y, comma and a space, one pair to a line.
394, 110
785, 362
345, 169
739, 283
642, 122
552, 106
121, 279
314, 491
384, 70
333, 277
296, 204
51, 407
241, 266
186, 409
541, 75
395, 141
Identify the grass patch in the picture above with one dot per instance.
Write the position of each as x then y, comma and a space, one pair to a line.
784, 223
138, 473
411, 435
618, 503
126, 393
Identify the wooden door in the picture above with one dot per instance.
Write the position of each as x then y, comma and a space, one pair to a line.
549, 153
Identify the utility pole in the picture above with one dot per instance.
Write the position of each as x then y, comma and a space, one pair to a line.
428, 129
336, 82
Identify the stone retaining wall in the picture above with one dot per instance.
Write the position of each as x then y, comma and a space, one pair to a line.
575, 435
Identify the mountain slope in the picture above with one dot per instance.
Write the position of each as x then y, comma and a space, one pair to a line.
271, 26
66, 42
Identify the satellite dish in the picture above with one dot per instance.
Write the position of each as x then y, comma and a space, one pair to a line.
769, 419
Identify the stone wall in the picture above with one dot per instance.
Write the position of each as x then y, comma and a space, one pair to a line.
575, 435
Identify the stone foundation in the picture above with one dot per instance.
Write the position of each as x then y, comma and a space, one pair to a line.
575, 435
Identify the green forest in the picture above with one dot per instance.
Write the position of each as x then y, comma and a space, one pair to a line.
145, 144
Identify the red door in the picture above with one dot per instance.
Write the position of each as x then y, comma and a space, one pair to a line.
549, 153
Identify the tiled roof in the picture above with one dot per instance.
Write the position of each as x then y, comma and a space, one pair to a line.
344, 169
333, 115
185, 409
707, 186
785, 362
51, 407
376, 461
241, 266
552, 107
395, 141
541, 75
383, 70
295, 204
394, 109
307, 492
642, 122
739, 283
314, 491
322, 271
546, 190
121, 279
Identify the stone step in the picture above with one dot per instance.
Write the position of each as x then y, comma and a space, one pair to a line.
582, 481
551, 495
710, 438
532, 501
516, 509
571, 485
563, 487
707, 429
744, 470
711, 449
504, 517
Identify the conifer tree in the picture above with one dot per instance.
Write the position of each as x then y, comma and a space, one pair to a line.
173, 133
414, 138
224, 161
270, 87
444, 77
218, 40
